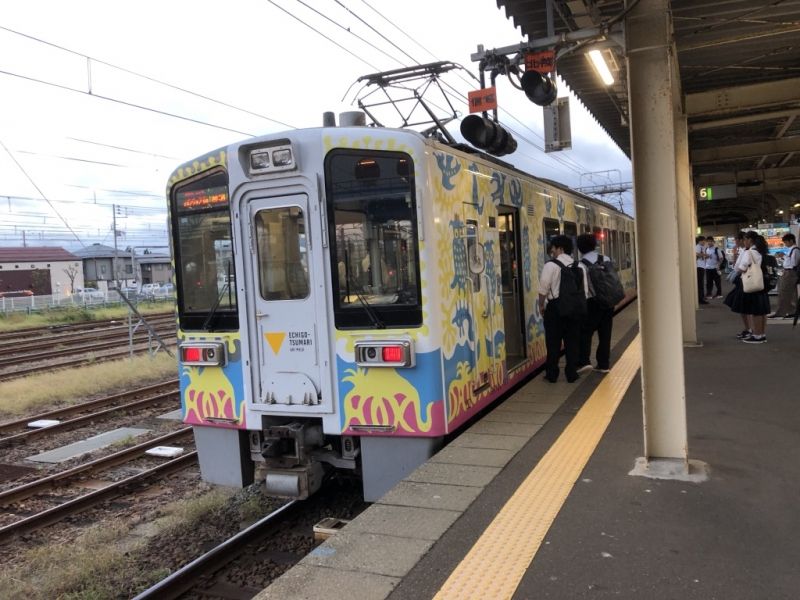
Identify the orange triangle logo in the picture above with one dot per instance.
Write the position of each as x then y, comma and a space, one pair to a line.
275, 340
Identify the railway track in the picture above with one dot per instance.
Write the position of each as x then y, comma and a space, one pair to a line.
81, 503
17, 431
86, 360
29, 333
14, 346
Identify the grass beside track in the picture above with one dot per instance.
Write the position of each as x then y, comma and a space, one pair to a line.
69, 386
78, 314
100, 563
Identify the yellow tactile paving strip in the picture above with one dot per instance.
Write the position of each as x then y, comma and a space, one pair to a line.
496, 563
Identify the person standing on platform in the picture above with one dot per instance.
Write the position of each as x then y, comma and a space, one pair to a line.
714, 258
787, 284
558, 326
753, 306
599, 317
700, 261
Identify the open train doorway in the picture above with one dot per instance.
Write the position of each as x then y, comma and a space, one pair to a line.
511, 284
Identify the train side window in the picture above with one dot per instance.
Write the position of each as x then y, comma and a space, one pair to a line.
605, 242
571, 231
614, 246
585, 228
550, 228
282, 253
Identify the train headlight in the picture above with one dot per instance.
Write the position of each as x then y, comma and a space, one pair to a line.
259, 161
385, 353
275, 156
203, 354
282, 158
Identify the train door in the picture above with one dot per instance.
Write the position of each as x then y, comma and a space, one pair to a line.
511, 285
478, 304
283, 272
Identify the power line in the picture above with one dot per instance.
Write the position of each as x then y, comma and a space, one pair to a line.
347, 29
122, 148
322, 34
33, 183
130, 104
147, 77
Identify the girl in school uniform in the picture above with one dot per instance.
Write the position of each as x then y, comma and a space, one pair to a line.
753, 306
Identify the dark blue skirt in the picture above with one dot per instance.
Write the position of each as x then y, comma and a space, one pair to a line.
754, 303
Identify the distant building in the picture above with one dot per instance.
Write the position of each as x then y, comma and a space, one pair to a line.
98, 266
155, 268
43, 270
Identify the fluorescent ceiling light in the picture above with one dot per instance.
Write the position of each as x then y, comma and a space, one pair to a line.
600, 65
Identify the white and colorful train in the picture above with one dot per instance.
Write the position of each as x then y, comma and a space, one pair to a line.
349, 296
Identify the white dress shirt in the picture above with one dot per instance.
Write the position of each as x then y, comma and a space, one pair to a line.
713, 257
550, 279
700, 261
791, 259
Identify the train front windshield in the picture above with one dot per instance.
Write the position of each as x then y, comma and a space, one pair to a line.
204, 255
374, 251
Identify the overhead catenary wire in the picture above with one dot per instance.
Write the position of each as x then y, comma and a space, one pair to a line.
33, 183
146, 77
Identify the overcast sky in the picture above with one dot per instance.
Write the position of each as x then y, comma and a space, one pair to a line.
89, 133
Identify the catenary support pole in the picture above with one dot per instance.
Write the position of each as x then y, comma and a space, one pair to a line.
650, 81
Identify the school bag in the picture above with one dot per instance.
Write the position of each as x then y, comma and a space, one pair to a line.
769, 265
605, 283
571, 295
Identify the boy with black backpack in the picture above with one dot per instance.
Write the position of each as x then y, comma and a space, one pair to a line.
562, 301
605, 292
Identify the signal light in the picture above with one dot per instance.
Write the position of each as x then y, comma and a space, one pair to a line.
539, 89
488, 135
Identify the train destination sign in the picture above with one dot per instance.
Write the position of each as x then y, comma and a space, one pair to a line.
204, 198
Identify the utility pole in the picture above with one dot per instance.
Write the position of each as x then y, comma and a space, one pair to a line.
114, 262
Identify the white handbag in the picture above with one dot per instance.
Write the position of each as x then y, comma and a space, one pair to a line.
753, 278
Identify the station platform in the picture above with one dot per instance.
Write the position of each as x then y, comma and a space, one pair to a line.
536, 499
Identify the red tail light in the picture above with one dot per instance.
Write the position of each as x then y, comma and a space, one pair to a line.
192, 354
392, 353
203, 354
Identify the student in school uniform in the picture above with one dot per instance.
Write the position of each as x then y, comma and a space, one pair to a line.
787, 284
558, 329
700, 261
713, 278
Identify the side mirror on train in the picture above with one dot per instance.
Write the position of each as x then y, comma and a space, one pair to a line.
486, 134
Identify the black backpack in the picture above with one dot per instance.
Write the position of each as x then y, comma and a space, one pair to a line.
769, 266
723, 262
607, 288
571, 295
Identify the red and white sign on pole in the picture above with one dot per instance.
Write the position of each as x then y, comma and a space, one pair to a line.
481, 100
543, 61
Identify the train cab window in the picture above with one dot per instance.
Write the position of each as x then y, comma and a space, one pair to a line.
571, 231
372, 224
282, 253
585, 228
550, 229
204, 254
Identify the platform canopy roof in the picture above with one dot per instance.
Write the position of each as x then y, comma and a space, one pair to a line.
739, 64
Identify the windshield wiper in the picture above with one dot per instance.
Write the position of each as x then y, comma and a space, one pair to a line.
214, 308
367, 307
